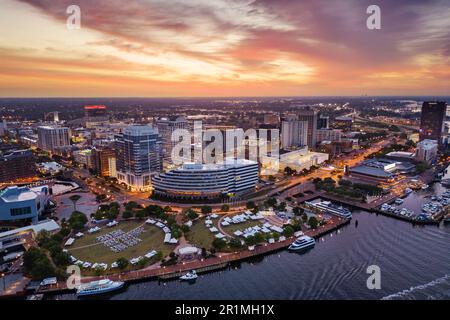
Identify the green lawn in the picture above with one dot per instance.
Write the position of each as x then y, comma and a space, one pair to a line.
241, 226
199, 235
88, 249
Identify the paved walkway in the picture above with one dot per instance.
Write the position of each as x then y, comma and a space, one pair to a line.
218, 261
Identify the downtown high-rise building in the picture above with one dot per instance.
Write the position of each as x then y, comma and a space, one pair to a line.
15, 165
310, 116
138, 156
53, 138
166, 127
294, 133
104, 161
432, 120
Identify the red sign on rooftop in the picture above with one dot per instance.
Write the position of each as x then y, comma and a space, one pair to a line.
96, 107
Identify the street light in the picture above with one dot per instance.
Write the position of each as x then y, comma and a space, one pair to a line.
3, 277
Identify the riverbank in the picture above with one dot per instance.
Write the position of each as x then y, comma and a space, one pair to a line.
205, 265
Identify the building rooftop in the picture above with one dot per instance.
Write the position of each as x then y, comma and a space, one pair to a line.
137, 130
228, 162
371, 171
15, 193
49, 225
401, 154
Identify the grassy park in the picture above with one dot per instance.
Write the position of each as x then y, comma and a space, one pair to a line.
87, 248
241, 226
199, 235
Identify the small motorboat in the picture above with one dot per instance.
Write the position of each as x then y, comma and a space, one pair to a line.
191, 275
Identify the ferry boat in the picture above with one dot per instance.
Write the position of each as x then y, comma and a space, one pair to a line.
192, 275
302, 243
398, 201
331, 208
98, 287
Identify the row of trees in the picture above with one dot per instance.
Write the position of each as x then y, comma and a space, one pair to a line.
48, 259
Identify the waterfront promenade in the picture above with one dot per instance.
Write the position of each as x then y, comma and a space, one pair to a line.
220, 261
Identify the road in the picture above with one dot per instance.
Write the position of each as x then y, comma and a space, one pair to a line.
302, 183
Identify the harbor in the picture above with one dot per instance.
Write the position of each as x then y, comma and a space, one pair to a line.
219, 262
418, 258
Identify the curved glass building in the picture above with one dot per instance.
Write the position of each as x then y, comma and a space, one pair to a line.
196, 181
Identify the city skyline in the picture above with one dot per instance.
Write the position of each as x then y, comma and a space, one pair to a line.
223, 48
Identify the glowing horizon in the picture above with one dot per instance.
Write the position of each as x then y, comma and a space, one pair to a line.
220, 48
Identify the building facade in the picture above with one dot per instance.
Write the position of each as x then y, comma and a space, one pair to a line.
427, 151
16, 164
138, 156
166, 126
310, 116
432, 120
53, 138
197, 181
294, 133
104, 161
328, 135
18, 203
302, 159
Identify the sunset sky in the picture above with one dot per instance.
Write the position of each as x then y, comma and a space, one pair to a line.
163, 48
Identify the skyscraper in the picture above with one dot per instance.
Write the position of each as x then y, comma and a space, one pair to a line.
104, 159
294, 133
323, 122
138, 156
310, 116
432, 120
166, 126
15, 165
53, 138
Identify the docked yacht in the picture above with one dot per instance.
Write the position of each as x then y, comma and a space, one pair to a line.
98, 287
302, 243
408, 191
398, 201
192, 275
331, 208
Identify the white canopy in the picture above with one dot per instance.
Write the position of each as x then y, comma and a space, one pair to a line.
69, 242
188, 250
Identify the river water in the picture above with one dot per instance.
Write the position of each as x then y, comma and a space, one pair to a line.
414, 263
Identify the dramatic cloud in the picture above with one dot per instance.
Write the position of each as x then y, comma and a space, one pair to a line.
224, 47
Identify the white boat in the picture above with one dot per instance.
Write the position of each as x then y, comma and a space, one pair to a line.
98, 287
302, 243
398, 201
331, 208
192, 275
425, 186
408, 191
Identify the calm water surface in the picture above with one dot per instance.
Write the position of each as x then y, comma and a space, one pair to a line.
414, 262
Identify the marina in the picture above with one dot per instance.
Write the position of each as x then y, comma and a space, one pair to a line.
403, 253
207, 265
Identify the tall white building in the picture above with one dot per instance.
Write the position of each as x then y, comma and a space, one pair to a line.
427, 150
294, 133
52, 138
138, 156
166, 126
